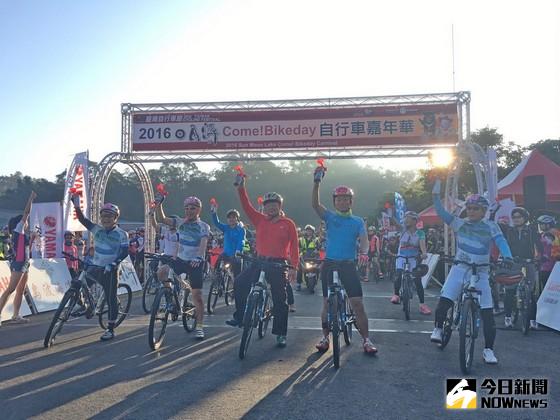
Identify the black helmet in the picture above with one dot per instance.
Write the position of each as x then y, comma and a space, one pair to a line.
522, 211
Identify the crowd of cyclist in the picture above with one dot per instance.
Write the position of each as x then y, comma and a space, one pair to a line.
342, 242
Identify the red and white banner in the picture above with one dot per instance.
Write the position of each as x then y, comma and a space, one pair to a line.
415, 125
77, 180
46, 223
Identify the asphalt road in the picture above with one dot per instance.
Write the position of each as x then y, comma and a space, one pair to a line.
81, 377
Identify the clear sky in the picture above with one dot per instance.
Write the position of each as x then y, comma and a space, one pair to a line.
66, 66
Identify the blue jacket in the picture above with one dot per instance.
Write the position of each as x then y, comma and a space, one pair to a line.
234, 237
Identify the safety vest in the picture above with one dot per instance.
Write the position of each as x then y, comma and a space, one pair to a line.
305, 245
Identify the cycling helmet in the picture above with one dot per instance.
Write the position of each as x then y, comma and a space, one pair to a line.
477, 200
343, 190
69, 232
412, 214
310, 227
522, 211
233, 212
371, 229
110, 208
272, 196
545, 219
192, 201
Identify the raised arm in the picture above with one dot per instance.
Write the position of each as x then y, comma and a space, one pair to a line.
169, 221
315, 201
216, 221
27, 209
442, 213
88, 224
254, 216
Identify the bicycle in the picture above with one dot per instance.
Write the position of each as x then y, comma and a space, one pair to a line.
171, 301
340, 315
222, 285
464, 315
93, 302
407, 285
152, 284
523, 294
258, 310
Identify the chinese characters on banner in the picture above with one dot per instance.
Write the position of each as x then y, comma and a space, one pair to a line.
301, 128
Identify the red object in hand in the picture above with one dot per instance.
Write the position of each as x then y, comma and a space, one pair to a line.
321, 163
73, 190
260, 200
161, 189
239, 170
213, 202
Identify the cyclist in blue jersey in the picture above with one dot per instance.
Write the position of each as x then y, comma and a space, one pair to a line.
111, 247
234, 237
343, 229
474, 237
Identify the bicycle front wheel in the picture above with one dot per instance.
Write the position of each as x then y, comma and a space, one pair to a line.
189, 312
405, 298
213, 294
447, 328
149, 293
61, 315
264, 321
467, 334
523, 305
124, 300
335, 328
249, 321
228, 292
348, 322
159, 317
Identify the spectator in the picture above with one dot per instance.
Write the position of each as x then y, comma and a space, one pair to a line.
19, 264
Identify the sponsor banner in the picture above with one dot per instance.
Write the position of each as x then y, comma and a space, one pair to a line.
128, 275
76, 179
400, 208
548, 305
431, 261
46, 222
48, 280
415, 125
8, 310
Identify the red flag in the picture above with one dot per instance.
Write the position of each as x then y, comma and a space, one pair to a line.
321, 162
213, 202
260, 200
239, 170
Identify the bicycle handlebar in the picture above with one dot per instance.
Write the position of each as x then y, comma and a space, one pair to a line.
262, 261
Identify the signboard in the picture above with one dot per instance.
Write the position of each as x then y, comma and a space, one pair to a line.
548, 305
128, 275
46, 223
77, 180
416, 125
8, 310
48, 280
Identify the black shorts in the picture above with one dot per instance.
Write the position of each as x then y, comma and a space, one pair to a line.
348, 276
193, 273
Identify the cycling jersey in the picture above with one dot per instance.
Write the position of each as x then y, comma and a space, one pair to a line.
523, 241
20, 244
190, 237
342, 232
274, 239
170, 243
474, 239
110, 246
234, 237
409, 245
72, 250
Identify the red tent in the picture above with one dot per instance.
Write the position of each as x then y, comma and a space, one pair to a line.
430, 217
535, 163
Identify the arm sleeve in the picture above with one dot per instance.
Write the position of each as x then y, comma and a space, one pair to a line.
442, 213
123, 252
503, 246
88, 224
217, 223
254, 216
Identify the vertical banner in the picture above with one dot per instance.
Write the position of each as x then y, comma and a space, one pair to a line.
400, 208
77, 180
128, 275
492, 177
46, 223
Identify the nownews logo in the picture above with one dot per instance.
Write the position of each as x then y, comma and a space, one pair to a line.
497, 393
461, 394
